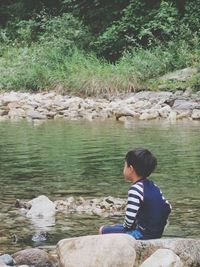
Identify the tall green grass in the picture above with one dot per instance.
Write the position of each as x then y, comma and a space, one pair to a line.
50, 65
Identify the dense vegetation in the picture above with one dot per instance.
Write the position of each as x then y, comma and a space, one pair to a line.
96, 46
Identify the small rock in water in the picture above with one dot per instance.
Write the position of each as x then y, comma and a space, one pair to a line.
14, 238
7, 259
41, 236
21, 204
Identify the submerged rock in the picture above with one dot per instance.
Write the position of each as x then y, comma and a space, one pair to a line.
40, 237
41, 211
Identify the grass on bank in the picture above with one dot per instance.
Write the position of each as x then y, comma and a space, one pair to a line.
50, 65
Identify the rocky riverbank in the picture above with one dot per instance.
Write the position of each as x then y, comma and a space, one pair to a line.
110, 251
144, 105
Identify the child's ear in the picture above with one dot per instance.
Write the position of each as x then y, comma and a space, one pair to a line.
131, 166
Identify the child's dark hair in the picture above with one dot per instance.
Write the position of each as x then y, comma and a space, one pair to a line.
142, 160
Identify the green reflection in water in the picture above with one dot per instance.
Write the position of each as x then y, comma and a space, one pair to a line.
79, 158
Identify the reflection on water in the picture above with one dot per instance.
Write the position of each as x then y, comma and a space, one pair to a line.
65, 158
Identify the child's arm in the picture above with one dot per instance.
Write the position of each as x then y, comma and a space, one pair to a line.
135, 196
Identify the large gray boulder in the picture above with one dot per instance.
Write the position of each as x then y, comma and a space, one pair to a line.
112, 250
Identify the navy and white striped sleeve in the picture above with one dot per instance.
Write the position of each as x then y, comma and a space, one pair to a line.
135, 197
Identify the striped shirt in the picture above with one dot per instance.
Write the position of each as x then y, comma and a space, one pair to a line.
146, 208
135, 197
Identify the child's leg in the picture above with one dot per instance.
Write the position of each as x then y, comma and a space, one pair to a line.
137, 234
111, 229
118, 228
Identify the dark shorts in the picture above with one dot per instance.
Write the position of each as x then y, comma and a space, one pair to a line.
118, 228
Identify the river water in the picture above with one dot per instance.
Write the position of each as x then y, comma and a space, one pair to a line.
80, 158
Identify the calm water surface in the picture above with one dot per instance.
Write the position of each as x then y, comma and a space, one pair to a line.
78, 158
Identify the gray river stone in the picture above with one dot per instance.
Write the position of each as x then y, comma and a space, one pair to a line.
184, 104
32, 257
6, 259
33, 114
164, 258
196, 114
179, 75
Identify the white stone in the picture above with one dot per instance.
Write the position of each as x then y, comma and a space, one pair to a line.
196, 114
183, 114
172, 116
112, 250
42, 212
10, 97
187, 249
149, 116
163, 258
34, 114
165, 111
188, 92
16, 113
130, 100
141, 104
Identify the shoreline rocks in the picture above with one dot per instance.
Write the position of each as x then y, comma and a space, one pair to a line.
123, 250
111, 250
144, 105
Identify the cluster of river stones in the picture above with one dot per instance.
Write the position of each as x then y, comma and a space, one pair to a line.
98, 250
144, 105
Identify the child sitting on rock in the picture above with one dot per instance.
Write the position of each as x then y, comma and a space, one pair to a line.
147, 210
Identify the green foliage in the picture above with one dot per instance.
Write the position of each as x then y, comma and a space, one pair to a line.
67, 31
48, 65
194, 82
161, 26
70, 42
98, 14
140, 25
191, 16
